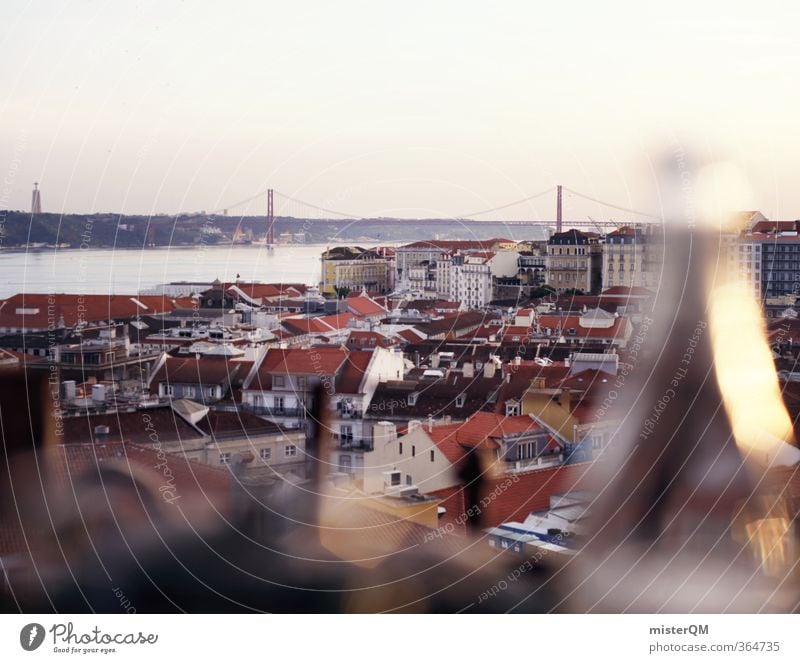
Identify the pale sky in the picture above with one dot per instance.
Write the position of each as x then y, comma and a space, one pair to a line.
411, 109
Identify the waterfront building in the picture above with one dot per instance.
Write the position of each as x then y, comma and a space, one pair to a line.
351, 268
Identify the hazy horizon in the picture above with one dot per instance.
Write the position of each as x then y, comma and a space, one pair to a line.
388, 111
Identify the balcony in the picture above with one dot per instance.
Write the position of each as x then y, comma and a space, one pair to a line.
352, 414
350, 443
276, 411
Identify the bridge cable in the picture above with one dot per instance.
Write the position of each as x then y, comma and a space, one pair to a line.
617, 207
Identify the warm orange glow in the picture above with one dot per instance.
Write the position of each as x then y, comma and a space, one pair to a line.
747, 378
770, 540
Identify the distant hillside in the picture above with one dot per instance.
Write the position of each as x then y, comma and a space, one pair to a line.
113, 230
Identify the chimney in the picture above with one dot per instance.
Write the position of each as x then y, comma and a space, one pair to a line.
383, 432
468, 370
489, 369
430, 423
565, 399
435, 360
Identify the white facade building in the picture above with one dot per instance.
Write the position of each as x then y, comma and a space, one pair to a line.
469, 277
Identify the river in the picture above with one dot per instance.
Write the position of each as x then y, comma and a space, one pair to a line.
127, 271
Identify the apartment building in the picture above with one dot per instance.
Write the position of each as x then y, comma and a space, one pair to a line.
632, 258
355, 269
574, 261
417, 263
469, 277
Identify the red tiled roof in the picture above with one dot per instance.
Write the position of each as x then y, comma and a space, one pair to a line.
481, 430
134, 427
522, 376
773, 226
38, 311
320, 325
514, 500
363, 305
302, 326
312, 361
266, 290
566, 322
512, 332
624, 231
625, 291
410, 335
455, 244
352, 372
368, 339
220, 423
202, 371
337, 320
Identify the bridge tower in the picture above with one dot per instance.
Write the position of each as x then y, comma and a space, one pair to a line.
558, 209
270, 218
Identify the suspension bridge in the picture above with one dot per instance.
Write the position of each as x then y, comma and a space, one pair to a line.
516, 212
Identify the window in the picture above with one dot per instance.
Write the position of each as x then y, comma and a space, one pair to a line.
301, 382
432, 455
345, 463
401, 448
278, 402
346, 433
413, 450
225, 458
460, 400
279, 381
395, 478
265, 453
409, 480
290, 450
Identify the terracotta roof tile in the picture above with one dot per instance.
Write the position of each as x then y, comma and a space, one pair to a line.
37, 311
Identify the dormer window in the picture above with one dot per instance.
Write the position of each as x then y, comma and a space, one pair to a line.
412, 398
460, 400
